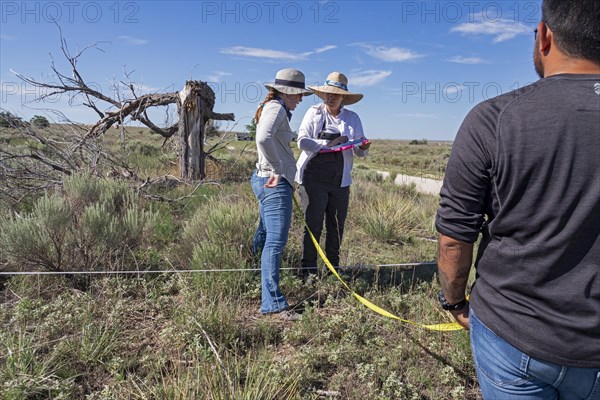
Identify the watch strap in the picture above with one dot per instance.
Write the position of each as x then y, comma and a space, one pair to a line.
451, 307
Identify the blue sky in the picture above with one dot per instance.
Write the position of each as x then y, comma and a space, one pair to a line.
422, 65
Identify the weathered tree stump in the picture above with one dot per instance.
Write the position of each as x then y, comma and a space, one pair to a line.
195, 103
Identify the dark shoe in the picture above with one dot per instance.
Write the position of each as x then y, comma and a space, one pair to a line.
308, 274
289, 315
298, 308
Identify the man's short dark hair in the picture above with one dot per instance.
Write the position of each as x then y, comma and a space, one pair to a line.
576, 26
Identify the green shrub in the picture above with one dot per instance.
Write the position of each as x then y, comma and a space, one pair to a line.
145, 149
9, 120
39, 121
92, 225
369, 175
219, 236
226, 220
408, 189
386, 215
230, 169
422, 141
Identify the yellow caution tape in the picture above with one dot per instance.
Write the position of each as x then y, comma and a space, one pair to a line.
453, 326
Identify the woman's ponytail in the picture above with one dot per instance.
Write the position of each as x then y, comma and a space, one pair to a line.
272, 95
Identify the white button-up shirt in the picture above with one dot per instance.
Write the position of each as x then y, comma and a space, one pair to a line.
349, 126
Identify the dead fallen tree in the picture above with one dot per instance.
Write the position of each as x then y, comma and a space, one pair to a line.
195, 103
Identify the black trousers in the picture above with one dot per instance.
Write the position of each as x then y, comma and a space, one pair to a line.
321, 200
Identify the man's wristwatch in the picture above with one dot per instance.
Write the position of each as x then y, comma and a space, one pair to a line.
450, 307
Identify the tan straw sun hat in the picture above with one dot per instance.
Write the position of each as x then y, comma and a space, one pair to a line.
337, 83
289, 81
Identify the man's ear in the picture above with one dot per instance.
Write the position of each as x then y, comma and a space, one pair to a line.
546, 38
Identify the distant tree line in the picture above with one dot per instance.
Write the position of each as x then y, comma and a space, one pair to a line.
9, 120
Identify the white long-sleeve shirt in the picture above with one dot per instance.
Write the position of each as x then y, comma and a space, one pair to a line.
349, 126
273, 137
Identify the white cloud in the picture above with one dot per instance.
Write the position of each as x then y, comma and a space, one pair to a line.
325, 48
420, 115
261, 53
391, 54
273, 54
216, 76
466, 60
501, 29
133, 41
368, 78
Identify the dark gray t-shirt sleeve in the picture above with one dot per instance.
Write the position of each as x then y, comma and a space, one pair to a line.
467, 180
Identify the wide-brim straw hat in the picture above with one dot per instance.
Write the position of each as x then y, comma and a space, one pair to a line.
337, 83
289, 81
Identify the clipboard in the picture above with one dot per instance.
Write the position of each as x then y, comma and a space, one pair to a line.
345, 146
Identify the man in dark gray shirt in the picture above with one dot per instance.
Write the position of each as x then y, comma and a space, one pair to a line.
525, 173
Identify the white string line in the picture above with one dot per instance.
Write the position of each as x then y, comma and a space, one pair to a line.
191, 271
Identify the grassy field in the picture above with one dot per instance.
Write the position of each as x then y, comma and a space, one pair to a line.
199, 335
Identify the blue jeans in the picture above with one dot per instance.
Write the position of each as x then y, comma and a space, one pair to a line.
275, 207
506, 373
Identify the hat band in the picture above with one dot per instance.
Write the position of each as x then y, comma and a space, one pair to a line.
283, 82
337, 84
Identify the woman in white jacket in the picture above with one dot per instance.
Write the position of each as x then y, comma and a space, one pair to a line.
325, 178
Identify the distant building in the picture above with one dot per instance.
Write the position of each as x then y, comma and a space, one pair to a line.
243, 136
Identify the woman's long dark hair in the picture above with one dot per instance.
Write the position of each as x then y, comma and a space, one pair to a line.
272, 95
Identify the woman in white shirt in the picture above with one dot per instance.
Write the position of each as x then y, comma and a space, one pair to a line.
325, 178
273, 182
